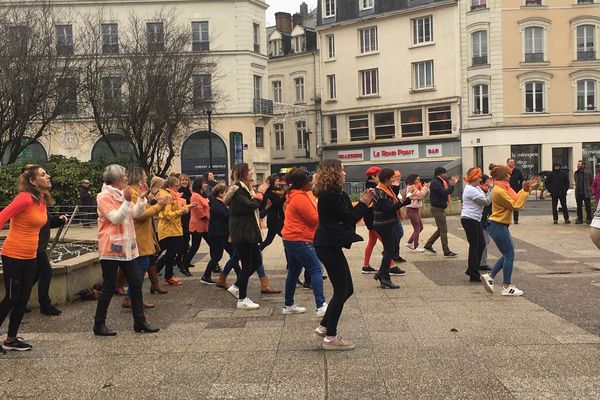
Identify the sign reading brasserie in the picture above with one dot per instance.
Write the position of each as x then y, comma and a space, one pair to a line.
400, 152
351, 155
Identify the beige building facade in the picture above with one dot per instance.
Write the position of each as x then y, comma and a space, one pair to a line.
390, 75
233, 32
532, 74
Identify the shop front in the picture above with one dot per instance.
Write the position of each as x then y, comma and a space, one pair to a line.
282, 169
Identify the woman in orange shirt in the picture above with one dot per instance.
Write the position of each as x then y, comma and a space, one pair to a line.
27, 215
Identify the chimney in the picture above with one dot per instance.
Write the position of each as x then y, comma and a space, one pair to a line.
297, 19
304, 10
283, 22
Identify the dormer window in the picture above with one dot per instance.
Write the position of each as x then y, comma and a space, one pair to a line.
299, 44
276, 47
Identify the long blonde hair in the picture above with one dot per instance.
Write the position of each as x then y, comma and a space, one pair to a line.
330, 175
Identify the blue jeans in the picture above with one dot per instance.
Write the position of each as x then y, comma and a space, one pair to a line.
399, 231
501, 236
143, 264
302, 255
233, 260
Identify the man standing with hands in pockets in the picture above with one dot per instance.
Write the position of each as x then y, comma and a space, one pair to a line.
440, 191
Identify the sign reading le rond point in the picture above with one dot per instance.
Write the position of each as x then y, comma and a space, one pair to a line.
395, 152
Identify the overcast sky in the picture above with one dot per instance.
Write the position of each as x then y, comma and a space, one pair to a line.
290, 6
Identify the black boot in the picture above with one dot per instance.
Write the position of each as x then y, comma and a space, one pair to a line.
144, 328
387, 284
100, 329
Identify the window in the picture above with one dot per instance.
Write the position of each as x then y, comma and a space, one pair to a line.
110, 38
279, 136
534, 97
369, 82
301, 135
202, 89
478, 155
366, 4
586, 95
478, 4
385, 125
67, 96
480, 100
155, 36
328, 8
111, 87
299, 43
480, 50
440, 120
359, 127
299, 84
533, 2
585, 1
260, 137
331, 86
422, 29
200, 41
330, 46
368, 39
586, 42
256, 30
333, 128
423, 74
277, 92
276, 48
257, 86
534, 44
64, 40
411, 122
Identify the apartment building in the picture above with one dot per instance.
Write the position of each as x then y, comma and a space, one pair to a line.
390, 73
232, 32
532, 74
294, 84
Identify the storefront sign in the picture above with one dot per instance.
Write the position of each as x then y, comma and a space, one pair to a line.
527, 159
351, 155
400, 152
434, 150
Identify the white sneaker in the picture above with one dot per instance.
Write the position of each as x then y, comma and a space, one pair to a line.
488, 282
247, 304
410, 246
511, 291
322, 310
419, 250
234, 291
293, 309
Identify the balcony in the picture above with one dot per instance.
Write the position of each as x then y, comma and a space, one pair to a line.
479, 60
533, 3
263, 106
586, 55
278, 153
478, 5
534, 57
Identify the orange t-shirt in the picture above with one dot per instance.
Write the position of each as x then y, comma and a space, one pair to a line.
26, 219
301, 217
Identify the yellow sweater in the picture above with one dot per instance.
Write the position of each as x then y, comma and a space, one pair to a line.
144, 226
169, 218
503, 205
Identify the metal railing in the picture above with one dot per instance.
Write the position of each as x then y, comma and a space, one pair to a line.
263, 106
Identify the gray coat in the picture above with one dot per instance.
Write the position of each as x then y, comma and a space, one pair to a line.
582, 177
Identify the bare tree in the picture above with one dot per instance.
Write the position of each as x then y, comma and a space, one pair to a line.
144, 80
37, 79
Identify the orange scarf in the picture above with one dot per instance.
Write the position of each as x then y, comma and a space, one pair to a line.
391, 195
445, 183
506, 186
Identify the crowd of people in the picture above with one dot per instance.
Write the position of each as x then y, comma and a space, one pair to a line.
151, 229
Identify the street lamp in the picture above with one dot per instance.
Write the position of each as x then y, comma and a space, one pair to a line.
208, 109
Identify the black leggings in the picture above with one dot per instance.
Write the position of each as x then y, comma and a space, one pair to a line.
391, 248
271, 233
217, 246
196, 240
43, 276
251, 259
339, 275
171, 246
182, 251
476, 240
19, 276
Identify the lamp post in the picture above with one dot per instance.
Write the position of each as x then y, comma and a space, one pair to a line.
208, 110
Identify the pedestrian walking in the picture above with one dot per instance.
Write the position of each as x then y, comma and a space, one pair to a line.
474, 200
516, 182
504, 202
274, 213
583, 192
211, 182
27, 215
440, 191
557, 184
184, 243
416, 191
371, 183
87, 203
117, 247
336, 231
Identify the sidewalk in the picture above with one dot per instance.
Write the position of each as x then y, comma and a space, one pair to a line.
437, 337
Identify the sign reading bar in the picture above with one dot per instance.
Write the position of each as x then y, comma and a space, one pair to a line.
351, 155
400, 152
433, 150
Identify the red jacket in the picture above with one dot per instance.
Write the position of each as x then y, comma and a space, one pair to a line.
301, 217
200, 215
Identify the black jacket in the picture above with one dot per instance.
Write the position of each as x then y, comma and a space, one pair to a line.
218, 225
438, 195
557, 183
243, 225
185, 218
44, 237
369, 216
86, 198
275, 214
337, 220
516, 180
385, 210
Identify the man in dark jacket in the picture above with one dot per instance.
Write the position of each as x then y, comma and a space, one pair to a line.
557, 184
583, 192
439, 193
516, 183
43, 273
87, 203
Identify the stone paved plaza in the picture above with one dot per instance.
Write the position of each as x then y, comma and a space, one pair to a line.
438, 337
